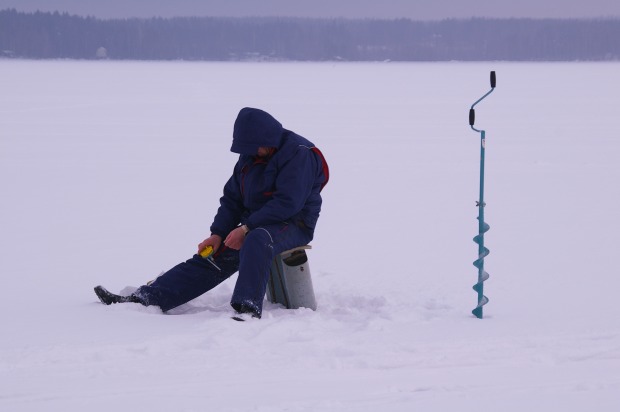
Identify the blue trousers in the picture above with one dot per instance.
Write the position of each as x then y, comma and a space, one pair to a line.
197, 275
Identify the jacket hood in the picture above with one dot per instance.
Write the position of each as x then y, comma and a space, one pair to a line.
255, 128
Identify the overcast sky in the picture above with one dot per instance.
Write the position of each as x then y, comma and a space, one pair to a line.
413, 9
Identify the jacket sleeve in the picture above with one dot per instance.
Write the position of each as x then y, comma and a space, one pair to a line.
293, 185
231, 206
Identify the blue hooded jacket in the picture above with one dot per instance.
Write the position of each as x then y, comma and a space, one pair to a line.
282, 187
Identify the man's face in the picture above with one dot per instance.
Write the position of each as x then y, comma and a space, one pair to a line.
263, 151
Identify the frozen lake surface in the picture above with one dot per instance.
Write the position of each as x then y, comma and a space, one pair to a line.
111, 173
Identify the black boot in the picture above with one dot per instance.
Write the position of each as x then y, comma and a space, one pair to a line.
245, 311
108, 298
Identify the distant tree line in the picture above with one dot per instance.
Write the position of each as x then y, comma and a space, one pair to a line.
47, 35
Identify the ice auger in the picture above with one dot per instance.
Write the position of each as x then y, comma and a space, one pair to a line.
483, 227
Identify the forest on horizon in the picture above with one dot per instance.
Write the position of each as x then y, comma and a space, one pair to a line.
54, 35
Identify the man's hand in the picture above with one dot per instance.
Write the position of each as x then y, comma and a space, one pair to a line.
215, 241
235, 239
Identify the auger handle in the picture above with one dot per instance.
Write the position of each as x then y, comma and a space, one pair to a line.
472, 113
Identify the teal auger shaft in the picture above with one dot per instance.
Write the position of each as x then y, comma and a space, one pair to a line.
483, 227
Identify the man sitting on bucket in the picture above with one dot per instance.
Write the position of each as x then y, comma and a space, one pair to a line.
270, 204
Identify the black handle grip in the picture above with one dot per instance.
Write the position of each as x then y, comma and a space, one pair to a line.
472, 117
493, 80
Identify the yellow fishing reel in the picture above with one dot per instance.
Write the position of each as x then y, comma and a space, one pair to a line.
206, 252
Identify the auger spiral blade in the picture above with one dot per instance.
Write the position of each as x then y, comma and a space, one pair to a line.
482, 274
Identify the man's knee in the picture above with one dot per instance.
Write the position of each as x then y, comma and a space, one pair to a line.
259, 237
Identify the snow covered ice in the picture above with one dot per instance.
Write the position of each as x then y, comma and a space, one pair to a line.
111, 172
